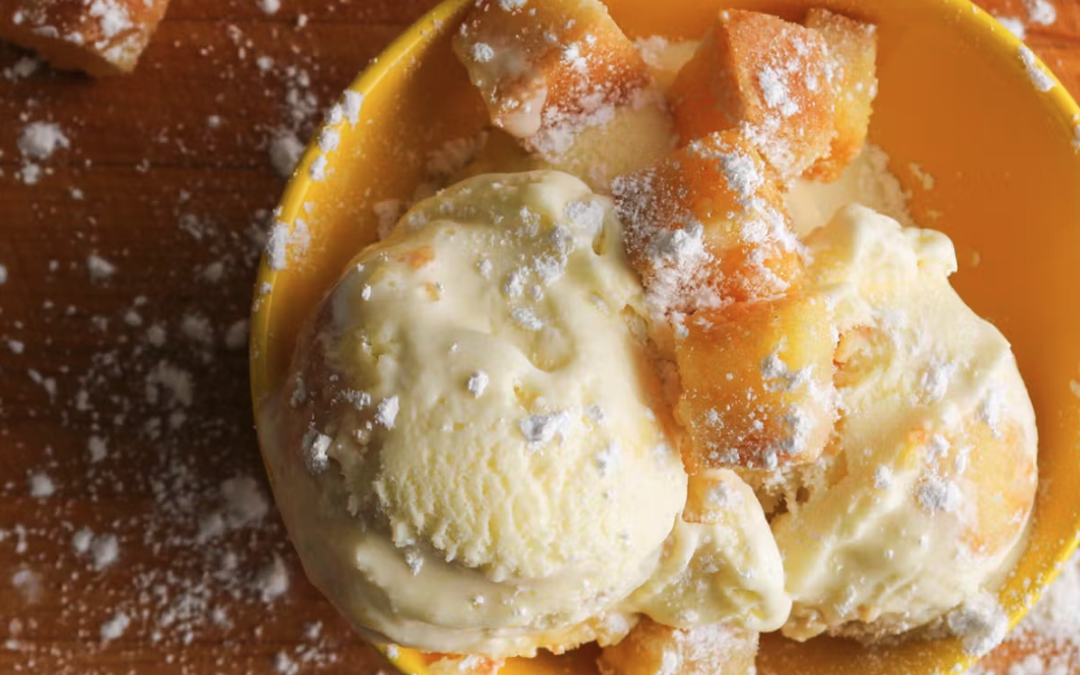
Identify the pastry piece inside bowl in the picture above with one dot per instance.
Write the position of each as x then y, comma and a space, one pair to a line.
665, 392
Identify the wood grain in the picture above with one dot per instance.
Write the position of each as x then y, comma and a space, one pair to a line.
165, 192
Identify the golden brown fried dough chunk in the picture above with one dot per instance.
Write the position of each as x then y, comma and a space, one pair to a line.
100, 37
766, 77
757, 386
851, 73
548, 69
707, 226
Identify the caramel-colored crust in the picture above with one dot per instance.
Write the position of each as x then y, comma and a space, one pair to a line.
765, 76
852, 52
568, 54
102, 37
743, 408
654, 649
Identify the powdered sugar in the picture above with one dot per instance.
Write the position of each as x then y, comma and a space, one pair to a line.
272, 581
526, 319
41, 486
115, 627
1014, 25
387, 411
477, 383
980, 622
1039, 77
99, 268
39, 140
285, 152
105, 550
775, 91
1041, 12
935, 494
541, 429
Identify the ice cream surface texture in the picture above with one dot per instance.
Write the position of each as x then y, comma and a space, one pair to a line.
933, 462
472, 452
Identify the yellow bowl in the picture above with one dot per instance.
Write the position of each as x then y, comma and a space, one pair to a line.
954, 97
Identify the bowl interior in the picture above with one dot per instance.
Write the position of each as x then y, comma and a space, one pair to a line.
954, 98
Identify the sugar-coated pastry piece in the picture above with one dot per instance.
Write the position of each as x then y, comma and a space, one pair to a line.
757, 386
457, 664
852, 74
548, 69
100, 37
654, 649
766, 77
706, 226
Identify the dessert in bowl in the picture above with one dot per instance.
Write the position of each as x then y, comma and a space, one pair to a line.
469, 375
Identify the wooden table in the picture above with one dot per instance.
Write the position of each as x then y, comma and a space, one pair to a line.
168, 178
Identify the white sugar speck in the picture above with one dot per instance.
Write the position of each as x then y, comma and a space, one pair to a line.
244, 501
99, 268
28, 583
319, 168
1041, 12
477, 383
156, 335
41, 486
542, 429
115, 627
105, 550
1013, 25
316, 458
285, 152
482, 52
82, 540
935, 494
236, 336
98, 448
272, 581
387, 411
354, 101
980, 622
277, 247
270, 6
526, 319
415, 560
39, 140
1038, 76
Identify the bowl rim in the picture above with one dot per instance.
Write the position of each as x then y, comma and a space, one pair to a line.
291, 203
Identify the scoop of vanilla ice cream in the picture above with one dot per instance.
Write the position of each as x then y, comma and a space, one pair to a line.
471, 455
934, 475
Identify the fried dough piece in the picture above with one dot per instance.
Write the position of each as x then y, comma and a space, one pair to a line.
100, 37
851, 73
766, 77
707, 226
757, 383
547, 70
